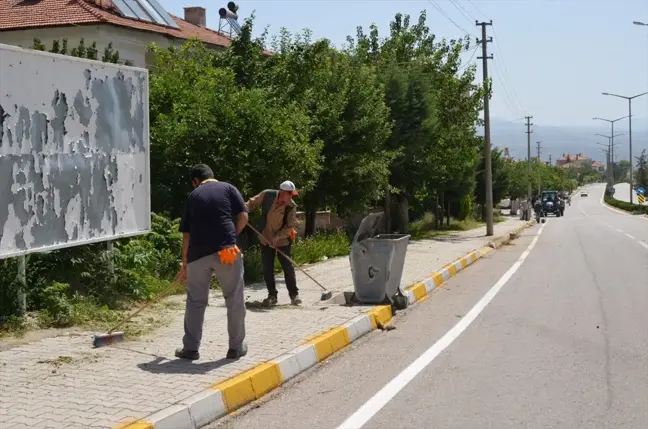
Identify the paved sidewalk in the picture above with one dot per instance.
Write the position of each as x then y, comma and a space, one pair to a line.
62, 382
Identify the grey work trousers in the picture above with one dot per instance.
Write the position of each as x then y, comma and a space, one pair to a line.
230, 277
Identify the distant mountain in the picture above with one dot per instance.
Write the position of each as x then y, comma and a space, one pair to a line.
558, 140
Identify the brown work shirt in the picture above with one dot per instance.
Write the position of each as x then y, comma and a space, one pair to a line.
274, 222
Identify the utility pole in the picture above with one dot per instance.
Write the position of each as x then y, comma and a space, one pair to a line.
611, 122
550, 161
487, 141
629, 129
538, 146
528, 132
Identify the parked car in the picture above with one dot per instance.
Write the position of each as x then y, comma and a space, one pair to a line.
584, 194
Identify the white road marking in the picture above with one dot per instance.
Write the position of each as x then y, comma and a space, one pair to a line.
370, 408
630, 236
619, 230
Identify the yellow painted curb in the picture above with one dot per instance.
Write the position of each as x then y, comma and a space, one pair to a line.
330, 342
419, 291
380, 315
437, 278
452, 270
249, 385
135, 424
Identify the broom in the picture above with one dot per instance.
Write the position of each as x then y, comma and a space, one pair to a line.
112, 337
326, 295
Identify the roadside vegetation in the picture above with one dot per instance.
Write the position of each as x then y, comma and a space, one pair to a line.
626, 206
389, 120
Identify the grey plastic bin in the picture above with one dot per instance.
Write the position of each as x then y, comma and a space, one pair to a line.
377, 262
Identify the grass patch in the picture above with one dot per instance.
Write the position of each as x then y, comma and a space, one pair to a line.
317, 248
626, 206
425, 228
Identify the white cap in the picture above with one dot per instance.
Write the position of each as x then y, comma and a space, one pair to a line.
289, 186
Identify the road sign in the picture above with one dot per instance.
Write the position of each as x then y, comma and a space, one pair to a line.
641, 191
641, 198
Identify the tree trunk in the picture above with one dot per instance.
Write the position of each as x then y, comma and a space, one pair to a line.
437, 213
448, 213
310, 217
387, 211
402, 224
441, 208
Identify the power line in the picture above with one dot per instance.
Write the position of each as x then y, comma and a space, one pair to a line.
462, 11
476, 8
505, 69
474, 51
442, 12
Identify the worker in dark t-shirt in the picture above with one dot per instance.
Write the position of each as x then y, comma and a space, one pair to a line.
215, 214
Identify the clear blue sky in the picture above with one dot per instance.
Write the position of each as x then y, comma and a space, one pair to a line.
553, 58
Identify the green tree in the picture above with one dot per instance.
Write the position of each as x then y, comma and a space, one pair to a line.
348, 117
200, 114
434, 110
641, 175
501, 178
622, 170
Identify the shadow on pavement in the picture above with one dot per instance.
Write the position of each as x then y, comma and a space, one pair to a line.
451, 238
162, 365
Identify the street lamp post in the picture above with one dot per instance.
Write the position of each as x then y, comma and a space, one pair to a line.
610, 146
629, 128
607, 159
611, 121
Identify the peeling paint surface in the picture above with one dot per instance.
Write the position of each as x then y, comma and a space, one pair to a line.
74, 151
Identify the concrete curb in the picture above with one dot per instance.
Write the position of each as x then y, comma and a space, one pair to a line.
228, 396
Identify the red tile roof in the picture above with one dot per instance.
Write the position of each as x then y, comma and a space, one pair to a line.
24, 14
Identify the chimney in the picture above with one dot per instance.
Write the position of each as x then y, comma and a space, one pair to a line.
196, 15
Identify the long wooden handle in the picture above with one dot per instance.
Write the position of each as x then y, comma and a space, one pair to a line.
155, 299
288, 258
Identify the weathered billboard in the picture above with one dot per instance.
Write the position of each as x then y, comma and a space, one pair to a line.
74, 151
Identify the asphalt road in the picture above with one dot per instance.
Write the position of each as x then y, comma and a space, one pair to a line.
554, 337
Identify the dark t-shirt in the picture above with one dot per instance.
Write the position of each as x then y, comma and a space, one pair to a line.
210, 218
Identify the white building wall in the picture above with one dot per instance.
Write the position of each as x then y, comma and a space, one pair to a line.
130, 43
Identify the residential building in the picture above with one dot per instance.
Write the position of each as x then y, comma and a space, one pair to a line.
130, 25
598, 166
573, 160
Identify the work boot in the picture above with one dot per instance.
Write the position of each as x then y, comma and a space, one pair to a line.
295, 300
270, 300
237, 354
187, 354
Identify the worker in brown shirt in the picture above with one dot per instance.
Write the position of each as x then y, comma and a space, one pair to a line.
278, 229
